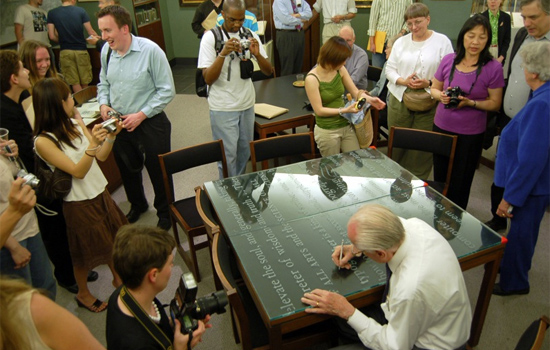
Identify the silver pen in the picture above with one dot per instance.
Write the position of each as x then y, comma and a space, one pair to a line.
341, 251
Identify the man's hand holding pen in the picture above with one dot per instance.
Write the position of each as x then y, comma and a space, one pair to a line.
342, 260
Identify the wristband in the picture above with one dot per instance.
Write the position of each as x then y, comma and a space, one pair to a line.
111, 141
340, 111
88, 154
94, 149
222, 56
475, 104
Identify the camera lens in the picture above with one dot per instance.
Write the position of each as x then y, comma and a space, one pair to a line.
211, 304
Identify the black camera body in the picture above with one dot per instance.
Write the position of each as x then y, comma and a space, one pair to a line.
361, 103
110, 125
188, 309
453, 93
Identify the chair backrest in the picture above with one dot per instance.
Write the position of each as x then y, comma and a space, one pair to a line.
426, 141
190, 157
204, 207
533, 337
373, 73
85, 94
282, 146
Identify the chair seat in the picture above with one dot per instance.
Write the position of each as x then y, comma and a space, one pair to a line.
188, 211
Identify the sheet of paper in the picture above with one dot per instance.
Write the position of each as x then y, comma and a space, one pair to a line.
89, 110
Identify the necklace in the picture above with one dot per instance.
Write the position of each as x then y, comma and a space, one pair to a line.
156, 318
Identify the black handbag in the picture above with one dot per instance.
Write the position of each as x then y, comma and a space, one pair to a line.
53, 184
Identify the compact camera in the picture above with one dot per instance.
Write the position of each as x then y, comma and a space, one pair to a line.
245, 44
453, 93
361, 103
188, 310
30, 178
110, 125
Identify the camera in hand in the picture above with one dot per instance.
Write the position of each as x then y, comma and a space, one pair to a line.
453, 93
110, 125
188, 309
245, 44
30, 178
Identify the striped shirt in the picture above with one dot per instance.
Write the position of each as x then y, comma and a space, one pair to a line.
387, 16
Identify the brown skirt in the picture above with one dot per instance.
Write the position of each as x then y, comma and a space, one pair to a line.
91, 229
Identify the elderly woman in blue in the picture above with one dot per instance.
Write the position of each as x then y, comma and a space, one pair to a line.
523, 169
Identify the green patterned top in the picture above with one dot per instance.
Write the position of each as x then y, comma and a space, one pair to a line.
494, 27
331, 96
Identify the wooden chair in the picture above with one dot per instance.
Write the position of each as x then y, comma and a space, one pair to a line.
381, 117
84, 95
248, 327
184, 211
281, 146
206, 213
533, 337
426, 141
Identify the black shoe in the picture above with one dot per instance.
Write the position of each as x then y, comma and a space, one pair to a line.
92, 276
497, 290
496, 224
164, 223
134, 214
72, 289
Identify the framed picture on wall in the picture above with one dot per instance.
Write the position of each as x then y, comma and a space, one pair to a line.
363, 4
184, 3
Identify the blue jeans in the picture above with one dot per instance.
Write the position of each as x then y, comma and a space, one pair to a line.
378, 59
236, 129
38, 273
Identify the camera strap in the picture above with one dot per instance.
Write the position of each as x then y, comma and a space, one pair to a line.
143, 318
451, 76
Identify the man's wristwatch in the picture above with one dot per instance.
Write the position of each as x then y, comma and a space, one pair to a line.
430, 83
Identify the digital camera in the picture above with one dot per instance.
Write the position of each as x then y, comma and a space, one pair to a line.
245, 44
110, 125
453, 93
361, 103
188, 310
30, 178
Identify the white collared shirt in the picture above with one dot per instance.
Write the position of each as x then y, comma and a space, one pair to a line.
427, 303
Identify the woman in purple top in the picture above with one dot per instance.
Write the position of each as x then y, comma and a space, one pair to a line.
479, 77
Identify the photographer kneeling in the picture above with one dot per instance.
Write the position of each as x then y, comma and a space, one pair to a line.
143, 258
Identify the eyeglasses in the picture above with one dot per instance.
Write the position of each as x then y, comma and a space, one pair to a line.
415, 23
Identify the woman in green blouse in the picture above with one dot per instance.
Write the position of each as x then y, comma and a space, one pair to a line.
325, 87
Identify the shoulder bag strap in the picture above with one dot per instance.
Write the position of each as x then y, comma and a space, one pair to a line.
143, 318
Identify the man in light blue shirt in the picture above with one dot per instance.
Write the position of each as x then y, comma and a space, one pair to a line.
250, 21
289, 17
136, 81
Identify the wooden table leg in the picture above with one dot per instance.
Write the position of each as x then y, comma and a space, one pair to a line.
482, 305
275, 337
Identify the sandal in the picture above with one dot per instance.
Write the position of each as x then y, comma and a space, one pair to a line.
97, 306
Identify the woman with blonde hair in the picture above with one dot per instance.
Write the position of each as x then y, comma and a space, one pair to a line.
31, 321
92, 217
